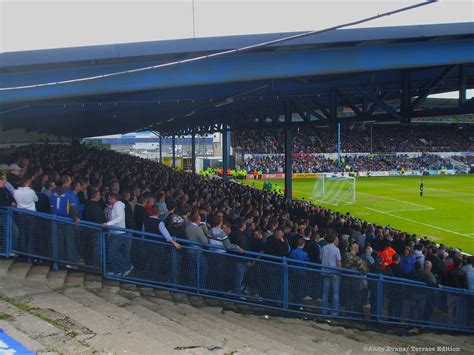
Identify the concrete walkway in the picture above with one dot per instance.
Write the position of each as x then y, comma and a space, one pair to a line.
76, 313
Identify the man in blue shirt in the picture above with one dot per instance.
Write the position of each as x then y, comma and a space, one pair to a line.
298, 277
64, 203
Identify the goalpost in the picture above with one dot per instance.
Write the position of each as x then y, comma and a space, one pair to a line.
334, 190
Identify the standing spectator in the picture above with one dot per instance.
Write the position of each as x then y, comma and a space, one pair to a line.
367, 256
139, 213
387, 253
407, 262
49, 188
469, 269
419, 256
331, 256
299, 280
456, 278
437, 264
426, 276
162, 204
129, 217
64, 204
357, 286
76, 188
93, 212
275, 245
153, 266
313, 248
119, 247
195, 234
42, 205
395, 292
219, 238
6, 199
13, 176
25, 196
239, 238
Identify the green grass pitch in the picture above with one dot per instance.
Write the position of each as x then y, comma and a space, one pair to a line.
445, 213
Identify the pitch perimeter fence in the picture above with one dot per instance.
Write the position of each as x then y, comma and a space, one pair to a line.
272, 282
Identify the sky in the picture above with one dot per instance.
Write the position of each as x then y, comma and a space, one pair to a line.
38, 24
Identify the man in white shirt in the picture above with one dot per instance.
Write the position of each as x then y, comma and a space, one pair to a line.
118, 244
25, 196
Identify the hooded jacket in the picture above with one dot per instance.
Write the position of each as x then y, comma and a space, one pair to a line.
219, 238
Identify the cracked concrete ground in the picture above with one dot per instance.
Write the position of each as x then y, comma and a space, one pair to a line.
74, 313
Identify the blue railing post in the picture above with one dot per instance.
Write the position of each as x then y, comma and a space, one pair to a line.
174, 266
54, 244
198, 271
285, 283
9, 233
379, 307
462, 310
103, 254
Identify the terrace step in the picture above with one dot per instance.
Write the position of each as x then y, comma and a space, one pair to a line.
5, 265
200, 320
19, 270
38, 273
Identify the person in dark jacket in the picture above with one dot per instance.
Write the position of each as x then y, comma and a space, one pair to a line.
313, 249
395, 292
139, 213
93, 212
239, 238
275, 245
42, 205
6, 199
456, 278
129, 216
376, 268
395, 266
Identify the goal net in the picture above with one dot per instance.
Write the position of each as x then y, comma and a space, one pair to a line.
334, 190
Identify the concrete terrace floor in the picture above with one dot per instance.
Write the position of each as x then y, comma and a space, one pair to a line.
75, 313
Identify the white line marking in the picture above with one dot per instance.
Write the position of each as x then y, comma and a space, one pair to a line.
394, 199
411, 209
418, 222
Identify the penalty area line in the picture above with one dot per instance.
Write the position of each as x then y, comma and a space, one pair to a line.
411, 209
418, 222
394, 199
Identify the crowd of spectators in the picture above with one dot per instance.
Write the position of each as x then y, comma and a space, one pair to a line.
468, 160
356, 139
119, 190
318, 163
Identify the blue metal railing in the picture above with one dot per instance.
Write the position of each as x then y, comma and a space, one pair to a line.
273, 282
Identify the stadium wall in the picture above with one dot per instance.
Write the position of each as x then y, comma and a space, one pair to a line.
360, 173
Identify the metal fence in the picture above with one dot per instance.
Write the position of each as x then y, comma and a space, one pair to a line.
257, 280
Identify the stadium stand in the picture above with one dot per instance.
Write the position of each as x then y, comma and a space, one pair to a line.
317, 163
119, 190
385, 139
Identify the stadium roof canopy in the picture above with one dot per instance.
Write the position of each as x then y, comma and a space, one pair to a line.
344, 75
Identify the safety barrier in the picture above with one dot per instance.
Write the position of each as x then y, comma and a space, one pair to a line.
278, 283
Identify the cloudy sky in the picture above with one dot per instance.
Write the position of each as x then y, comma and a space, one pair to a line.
36, 24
